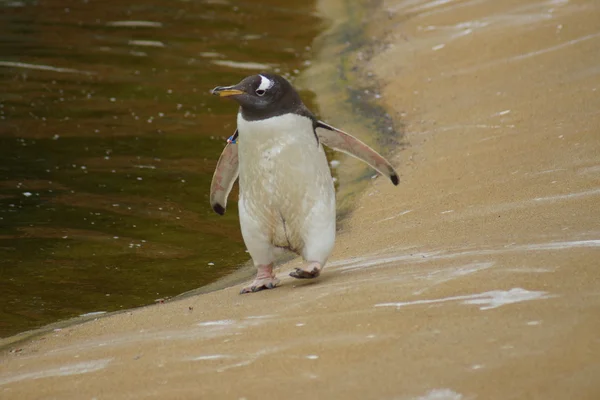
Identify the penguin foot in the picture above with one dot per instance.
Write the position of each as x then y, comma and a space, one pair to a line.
312, 270
260, 284
265, 279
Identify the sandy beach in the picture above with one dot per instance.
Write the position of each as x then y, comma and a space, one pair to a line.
476, 278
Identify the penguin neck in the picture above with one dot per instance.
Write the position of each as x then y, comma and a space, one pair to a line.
286, 128
254, 114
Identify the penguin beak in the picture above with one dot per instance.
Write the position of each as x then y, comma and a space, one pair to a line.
225, 91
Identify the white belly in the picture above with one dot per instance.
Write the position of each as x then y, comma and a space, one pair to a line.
286, 191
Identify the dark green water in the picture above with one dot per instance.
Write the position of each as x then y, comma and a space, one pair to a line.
108, 141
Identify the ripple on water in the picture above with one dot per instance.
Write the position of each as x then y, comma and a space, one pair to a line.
40, 67
135, 24
242, 65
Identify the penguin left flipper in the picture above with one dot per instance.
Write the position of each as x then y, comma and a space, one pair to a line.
341, 141
226, 173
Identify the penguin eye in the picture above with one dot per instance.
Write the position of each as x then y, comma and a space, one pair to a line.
260, 92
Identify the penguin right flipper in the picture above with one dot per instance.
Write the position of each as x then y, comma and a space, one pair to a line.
226, 173
341, 141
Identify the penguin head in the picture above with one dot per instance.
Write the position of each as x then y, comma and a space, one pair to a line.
262, 96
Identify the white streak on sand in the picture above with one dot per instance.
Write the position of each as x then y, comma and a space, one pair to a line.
380, 261
440, 394
39, 67
428, 5
569, 196
527, 55
526, 203
222, 322
252, 358
487, 300
66, 370
209, 357
366, 262
267, 316
554, 48
560, 245
395, 216
464, 32
448, 274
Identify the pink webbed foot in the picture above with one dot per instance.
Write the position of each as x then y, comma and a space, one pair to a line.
310, 271
265, 279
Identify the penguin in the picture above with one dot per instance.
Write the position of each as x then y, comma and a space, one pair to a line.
286, 191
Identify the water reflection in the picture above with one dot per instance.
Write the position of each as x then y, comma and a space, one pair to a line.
108, 140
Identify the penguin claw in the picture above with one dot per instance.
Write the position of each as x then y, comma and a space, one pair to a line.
260, 286
251, 289
299, 273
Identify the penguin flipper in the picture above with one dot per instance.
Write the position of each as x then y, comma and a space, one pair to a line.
226, 173
342, 141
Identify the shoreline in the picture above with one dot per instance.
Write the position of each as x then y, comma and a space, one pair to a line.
349, 97
475, 278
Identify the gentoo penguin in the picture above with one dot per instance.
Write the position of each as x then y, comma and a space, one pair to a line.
287, 197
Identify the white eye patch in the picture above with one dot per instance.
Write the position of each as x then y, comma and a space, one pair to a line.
265, 83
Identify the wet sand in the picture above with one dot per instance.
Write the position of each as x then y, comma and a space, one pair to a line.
477, 277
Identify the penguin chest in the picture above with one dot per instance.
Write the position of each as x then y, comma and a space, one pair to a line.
285, 181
